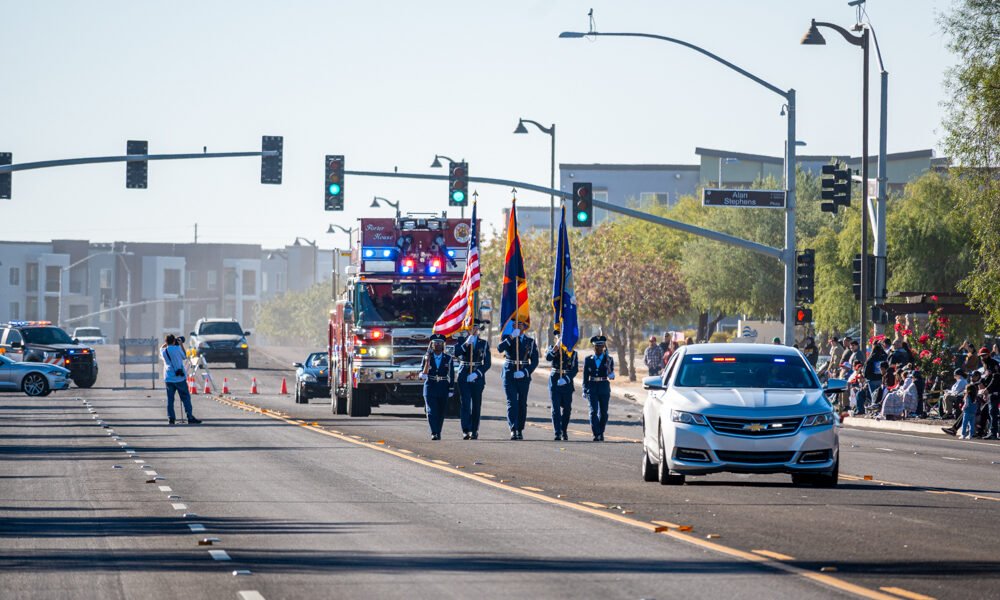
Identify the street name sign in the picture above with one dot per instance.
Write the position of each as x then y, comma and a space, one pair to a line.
744, 198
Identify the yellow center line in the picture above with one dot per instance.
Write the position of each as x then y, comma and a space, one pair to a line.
906, 593
821, 578
774, 555
593, 504
487, 475
929, 490
531, 489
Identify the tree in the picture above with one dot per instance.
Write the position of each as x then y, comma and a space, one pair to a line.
972, 126
297, 318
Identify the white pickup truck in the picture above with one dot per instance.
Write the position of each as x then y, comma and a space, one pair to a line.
89, 335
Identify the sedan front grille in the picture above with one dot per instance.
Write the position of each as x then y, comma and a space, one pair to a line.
755, 427
754, 458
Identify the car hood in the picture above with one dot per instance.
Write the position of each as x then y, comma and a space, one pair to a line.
314, 371
732, 400
220, 337
43, 367
56, 347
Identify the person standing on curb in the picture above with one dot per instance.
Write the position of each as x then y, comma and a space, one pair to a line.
598, 370
565, 366
175, 379
653, 357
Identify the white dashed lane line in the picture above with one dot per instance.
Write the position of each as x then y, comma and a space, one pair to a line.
179, 506
196, 527
219, 555
165, 488
952, 458
250, 595
885, 449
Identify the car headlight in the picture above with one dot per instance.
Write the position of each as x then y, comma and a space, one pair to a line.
679, 416
817, 420
243, 343
309, 377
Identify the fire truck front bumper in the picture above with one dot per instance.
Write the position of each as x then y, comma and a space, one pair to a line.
388, 374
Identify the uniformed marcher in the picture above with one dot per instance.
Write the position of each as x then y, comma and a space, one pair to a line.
598, 370
564, 368
439, 383
521, 360
474, 360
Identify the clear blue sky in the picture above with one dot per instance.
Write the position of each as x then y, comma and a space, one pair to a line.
390, 84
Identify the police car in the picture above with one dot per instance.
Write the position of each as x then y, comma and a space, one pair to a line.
42, 342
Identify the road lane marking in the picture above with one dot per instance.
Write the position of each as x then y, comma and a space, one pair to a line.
665, 524
219, 555
906, 593
441, 462
593, 505
165, 488
928, 489
487, 475
196, 527
250, 595
820, 578
885, 449
931, 436
774, 555
953, 458
531, 489
179, 506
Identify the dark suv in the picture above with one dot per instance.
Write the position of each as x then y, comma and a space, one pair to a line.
40, 341
221, 340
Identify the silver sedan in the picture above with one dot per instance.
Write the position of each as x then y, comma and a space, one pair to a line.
34, 379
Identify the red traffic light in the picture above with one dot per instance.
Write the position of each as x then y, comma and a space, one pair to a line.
583, 192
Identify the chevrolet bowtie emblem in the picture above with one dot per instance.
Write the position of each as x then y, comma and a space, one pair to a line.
754, 427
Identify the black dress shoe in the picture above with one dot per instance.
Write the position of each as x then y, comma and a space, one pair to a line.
602, 437
193, 421
558, 437
513, 435
565, 436
520, 434
474, 435
467, 436
435, 436
171, 421
597, 438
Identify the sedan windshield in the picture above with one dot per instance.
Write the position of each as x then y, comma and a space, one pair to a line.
45, 336
317, 360
745, 371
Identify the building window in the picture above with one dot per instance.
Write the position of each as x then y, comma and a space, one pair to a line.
600, 215
212, 280
15, 311
192, 283
31, 277
52, 309
105, 277
31, 308
279, 282
172, 281
230, 276
249, 283
52, 277
15, 276
650, 199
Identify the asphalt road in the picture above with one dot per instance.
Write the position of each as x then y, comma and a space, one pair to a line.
372, 507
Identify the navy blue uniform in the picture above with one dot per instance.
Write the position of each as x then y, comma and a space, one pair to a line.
597, 391
472, 359
437, 387
521, 354
564, 365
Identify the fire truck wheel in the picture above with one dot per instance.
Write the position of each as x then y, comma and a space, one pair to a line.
358, 402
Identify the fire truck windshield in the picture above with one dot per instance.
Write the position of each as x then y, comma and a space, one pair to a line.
403, 305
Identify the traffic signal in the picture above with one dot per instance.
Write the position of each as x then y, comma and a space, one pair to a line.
458, 184
136, 171
583, 204
334, 184
270, 166
836, 188
805, 270
803, 316
6, 158
870, 276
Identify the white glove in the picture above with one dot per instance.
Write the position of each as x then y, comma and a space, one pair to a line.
472, 377
611, 375
518, 374
515, 333
562, 381
423, 376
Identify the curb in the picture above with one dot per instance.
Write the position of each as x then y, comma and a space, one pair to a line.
872, 424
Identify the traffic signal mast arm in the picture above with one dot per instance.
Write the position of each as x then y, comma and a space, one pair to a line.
65, 162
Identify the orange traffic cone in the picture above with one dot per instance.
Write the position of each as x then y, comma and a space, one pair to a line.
208, 389
225, 385
253, 386
284, 387
191, 384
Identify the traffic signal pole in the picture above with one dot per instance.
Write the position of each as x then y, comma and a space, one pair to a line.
65, 162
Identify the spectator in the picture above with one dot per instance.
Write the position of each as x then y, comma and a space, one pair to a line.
689, 341
990, 398
653, 357
776, 341
810, 350
665, 344
919, 386
952, 398
856, 385
674, 345
970, 407
873, 374
898, 356
834, 367
855, 352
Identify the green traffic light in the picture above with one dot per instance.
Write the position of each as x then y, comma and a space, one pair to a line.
458, 196
582, 216
334, 189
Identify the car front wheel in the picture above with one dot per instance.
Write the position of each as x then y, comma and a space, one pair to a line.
35, 384
663, 470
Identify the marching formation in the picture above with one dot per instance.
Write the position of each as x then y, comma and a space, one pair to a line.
520, 351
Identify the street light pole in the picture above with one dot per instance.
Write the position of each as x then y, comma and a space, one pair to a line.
434, 165
395, 204
551, 132
788, 253
813, 38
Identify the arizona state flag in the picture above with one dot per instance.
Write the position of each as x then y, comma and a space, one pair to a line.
514, 298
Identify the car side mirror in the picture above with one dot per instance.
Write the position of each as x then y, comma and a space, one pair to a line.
246, 334
653, 382
15, 344
192, 334
834, 386
76, 340
297, 365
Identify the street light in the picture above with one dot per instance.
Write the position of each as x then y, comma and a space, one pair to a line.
551, 132
395, 205
813, 37
437, 163
788, 252
347, 230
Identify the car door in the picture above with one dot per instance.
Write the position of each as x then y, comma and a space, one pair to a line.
6, 374
654, 406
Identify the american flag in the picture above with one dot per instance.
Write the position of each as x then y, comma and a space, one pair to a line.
460, 314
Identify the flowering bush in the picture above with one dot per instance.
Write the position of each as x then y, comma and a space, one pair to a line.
928, 347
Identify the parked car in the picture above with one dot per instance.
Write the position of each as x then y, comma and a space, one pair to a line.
89, 335
221, 340
312, 378
32, 378
741, 408
42, 342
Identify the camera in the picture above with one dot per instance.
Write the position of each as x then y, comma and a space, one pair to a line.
180, 339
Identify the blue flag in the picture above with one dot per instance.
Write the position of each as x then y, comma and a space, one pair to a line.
563, 294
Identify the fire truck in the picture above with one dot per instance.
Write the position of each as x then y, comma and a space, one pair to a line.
401, 275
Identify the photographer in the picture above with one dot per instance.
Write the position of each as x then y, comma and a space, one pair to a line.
175, 378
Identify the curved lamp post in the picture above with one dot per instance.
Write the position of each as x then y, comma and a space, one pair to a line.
395, 204
551, 132
788, 252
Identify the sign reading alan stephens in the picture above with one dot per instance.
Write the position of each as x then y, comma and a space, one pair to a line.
744, 198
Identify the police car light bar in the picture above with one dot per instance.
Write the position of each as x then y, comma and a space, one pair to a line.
29, 323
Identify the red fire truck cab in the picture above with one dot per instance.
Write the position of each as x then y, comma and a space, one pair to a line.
402, 274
